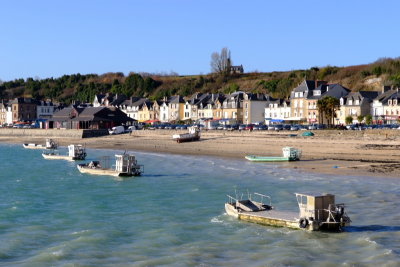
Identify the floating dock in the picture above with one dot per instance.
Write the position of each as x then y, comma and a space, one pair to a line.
317, 212
75, 152
125, 165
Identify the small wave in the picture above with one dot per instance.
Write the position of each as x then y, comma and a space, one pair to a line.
79, 232
230, 168
57, 253
216, 220
195, 190
370, 241
388, 252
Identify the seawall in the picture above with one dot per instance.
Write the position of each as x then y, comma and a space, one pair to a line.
51, 133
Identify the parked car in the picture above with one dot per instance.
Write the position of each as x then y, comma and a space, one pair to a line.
241, 127
271, 127
181, 127
234, 127
227, 127
262, 127
294, 128
278, 127
220, 127
116, 130
249, 127
131, 129
170, 127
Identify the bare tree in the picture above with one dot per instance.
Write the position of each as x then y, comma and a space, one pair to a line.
221, 62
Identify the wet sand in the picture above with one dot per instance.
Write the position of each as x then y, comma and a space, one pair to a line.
329, 152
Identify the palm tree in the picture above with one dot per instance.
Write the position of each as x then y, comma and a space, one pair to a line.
327, 107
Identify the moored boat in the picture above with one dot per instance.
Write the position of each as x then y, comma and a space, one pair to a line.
50, 144
192, 135
125, 165
289, 154
75, 152
316, 212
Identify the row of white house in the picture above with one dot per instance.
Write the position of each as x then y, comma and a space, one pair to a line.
238, 107
241, 107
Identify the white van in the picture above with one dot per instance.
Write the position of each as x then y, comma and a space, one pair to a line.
117, 130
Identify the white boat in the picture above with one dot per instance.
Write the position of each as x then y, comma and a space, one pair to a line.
125, 165
50, 144
192, 135
317, 212
75, 152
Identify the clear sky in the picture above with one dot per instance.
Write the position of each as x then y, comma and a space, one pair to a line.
50, 38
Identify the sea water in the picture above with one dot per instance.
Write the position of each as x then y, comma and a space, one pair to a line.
173, 215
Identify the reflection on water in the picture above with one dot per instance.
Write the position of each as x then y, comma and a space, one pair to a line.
174, 215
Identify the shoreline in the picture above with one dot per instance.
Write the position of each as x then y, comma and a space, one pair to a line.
325, 153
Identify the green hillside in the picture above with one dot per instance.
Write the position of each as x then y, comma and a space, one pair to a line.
278, 84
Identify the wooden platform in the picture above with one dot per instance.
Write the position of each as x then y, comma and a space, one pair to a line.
272, 217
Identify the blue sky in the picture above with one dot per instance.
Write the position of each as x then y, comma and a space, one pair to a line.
52, 38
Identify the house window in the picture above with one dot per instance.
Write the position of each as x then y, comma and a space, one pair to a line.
350, 102
389, 102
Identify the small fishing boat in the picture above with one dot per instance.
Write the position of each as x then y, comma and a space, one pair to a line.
317, 212
50, 144
125, 165
289, 154
75, 152
192, 135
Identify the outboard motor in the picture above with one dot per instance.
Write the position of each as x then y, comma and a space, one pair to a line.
339, 210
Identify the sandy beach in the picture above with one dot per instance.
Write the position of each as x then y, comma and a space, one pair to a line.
359, 153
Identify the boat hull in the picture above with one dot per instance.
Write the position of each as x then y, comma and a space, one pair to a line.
100, 171
180, 138
34, 146
267, 159
281, 219
63, 157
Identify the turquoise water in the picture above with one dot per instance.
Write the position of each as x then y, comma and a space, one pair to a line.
52, 215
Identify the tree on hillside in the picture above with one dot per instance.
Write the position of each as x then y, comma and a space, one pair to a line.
327, 108
116, 87
132, 83
221, 62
